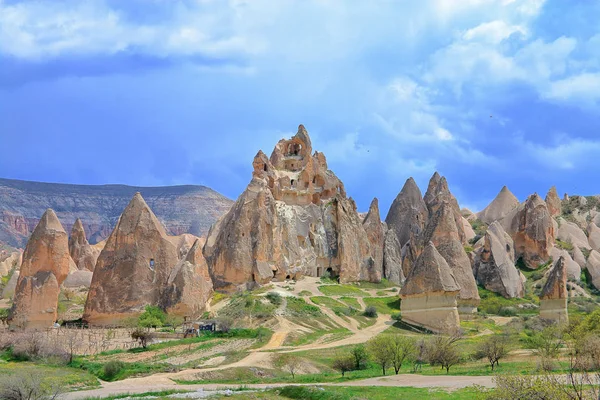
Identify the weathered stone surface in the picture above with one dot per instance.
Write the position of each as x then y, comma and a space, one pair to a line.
83, 254
593, 236
9, 262
531, 227
189, 287
78, 279
592, 267
443, 232
553, 300
553, 202
495, 263
9, 290
45, 266
184, 243
578, 257
573, 268
376, 235
133, 268
468, 214
392, 258
570, 232
439, 194
429, 293
408, 213
503, 204
469, 232
293, 219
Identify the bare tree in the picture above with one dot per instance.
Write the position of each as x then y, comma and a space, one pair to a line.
381, 351
344, 363
493, 348
142, 337
27, 385
289, 363
441, 350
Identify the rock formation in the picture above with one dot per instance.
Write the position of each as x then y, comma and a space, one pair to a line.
189, 287
408, 213
9, 290
133, 268
443, 232
45, 266
392, 258
573, 268
429, 293
293, 219
10, 262
592, 268
495, 264
532, 229
376, 235
593, 236
468, 229
553, 202
553, 300
79, 279
503, 204
570, 232
83, 254
439, 194
578, 257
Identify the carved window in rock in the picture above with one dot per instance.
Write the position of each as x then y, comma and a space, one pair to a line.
294, 149
293, 183
152, 264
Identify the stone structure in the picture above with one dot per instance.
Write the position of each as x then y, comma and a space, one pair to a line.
408, 213
553, 202
293, 219
437, 195
494, 265
501, 206
375, 230
429, 293
83, 254
553, 300
45, 266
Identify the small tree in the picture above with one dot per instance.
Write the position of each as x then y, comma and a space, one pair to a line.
143, 337
360, 357
547, 344
152, 317
381, 351
289, 363
402, 347
224, 324
370, 312
27, 385
441, 350
344, 363
493, 349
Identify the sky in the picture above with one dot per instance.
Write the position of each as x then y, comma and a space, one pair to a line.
163, 92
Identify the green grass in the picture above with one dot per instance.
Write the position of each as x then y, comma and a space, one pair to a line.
342, 290
493, 303
71, 378
564, 245
338, 308
162, 394
351, 301
297, 307
304, 293
384, 284
384, 305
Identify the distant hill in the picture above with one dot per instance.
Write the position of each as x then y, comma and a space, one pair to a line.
182, 209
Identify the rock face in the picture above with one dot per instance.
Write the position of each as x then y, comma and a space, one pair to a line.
392, 258
503, 204
593, 236
83, 254
443, 232
495, 264
570, 232
532, 229
79, 279
438, 194
553, 202
573, 268
9, 290
593, 268
408, 213
10, 261
45, 266
182, 209
189, 287
376, 235
429, 293
133, 269
553, 300
293, 219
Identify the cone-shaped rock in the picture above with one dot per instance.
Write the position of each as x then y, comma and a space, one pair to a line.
133, 268
501, 206
189, 287
439, 194
570, 232
553, 300
45, 266
408, 213
495, 264
293, 219
532, 229
573, 268
392, 258
376, 235
429, 293
83, 254
443, 232
553, 202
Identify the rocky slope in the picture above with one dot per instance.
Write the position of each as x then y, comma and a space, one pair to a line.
182, 209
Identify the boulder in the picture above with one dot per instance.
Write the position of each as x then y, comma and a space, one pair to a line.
469, 232
592, 267
45, 266
189, 287
439, 194
570, 232
503, 204
573, 268
468, 214
78, 279
495, 264
132, 269
392, 258
593, 236
376, 235
578, 257
83, 254
553, 202
553, 300
408, 213
429, 293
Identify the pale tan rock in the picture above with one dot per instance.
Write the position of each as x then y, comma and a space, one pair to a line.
593, 236
553, 202
502, 205
495, 264
429, 293
578, 257
408, 213
469, 232
78, 279
570, 232
184, 243
468, 214
439, 194
189, 287
592, 267
392, 258
83, 254
11, 262
376, 235
45, 266
553, 300
9, 290
573, 268
133, 268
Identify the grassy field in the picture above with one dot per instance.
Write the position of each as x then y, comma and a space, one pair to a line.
342, 290
351, 301
384, 305
71, 378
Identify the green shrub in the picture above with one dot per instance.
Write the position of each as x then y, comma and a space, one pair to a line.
370, 312
152, 317
111, 369
564, 245
397, 316
507, 312
274, 298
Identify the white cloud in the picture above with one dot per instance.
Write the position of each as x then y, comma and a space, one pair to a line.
493, 32
583, 89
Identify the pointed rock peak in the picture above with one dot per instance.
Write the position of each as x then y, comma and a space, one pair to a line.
503, 203
302, 134
411, 190
553, 191
535, 199
49, 221
139, 213
194, 254
373, 214
77, 233
78, 225
435, 177
430, 273
556, 285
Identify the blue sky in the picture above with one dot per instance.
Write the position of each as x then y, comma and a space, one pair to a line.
158, 92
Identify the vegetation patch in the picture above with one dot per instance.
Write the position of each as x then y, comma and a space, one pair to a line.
384, 305
342, 290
